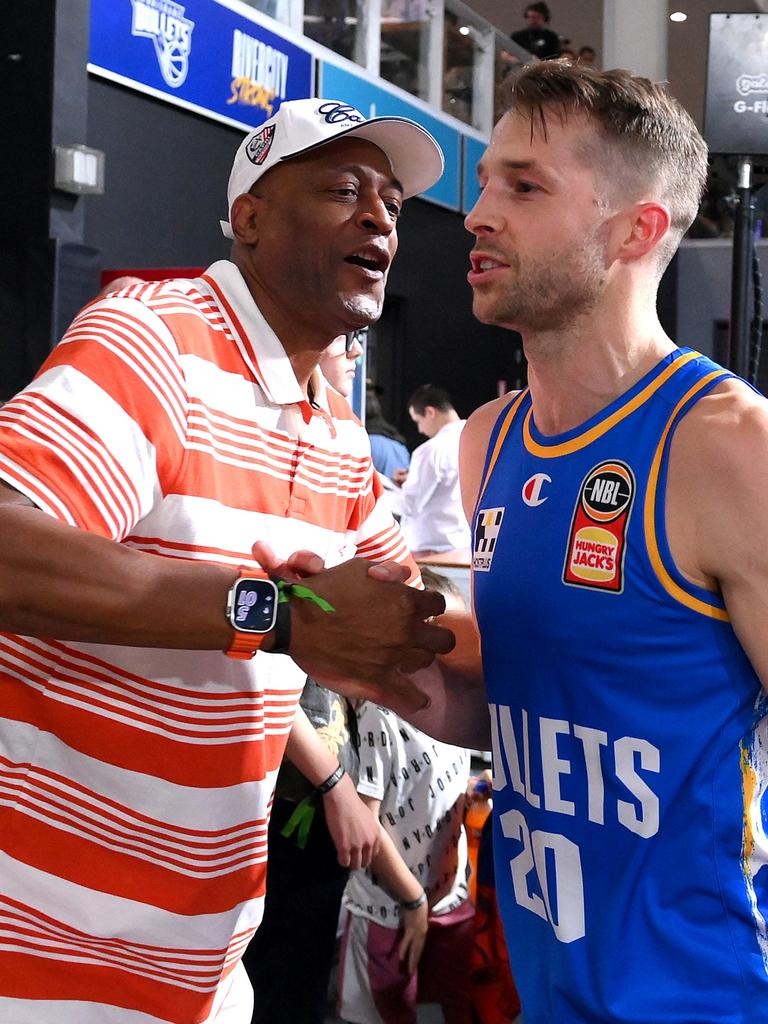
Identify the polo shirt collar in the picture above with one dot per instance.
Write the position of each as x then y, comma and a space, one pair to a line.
259, 345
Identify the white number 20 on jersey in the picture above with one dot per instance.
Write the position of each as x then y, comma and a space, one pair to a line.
561, 878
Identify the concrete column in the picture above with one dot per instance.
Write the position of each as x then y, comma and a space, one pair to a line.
635, 36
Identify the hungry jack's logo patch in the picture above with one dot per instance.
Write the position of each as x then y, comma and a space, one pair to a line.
597, 541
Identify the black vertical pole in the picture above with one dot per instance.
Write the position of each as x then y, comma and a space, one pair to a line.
743, 242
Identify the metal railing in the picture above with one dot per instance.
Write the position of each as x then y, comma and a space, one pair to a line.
442, 52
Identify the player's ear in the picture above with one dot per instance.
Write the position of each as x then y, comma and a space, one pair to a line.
646, 225
244, 218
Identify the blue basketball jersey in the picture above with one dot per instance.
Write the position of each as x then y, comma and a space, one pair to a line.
629, 729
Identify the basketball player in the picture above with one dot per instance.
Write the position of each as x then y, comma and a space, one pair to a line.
620, 575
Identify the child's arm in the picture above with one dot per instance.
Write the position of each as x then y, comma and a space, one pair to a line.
354, 830
393, 874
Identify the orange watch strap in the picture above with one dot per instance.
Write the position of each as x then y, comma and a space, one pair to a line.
245, 645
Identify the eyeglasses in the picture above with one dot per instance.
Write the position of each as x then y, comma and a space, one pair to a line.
352, 339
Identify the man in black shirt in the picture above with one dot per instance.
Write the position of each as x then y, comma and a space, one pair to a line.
540, 41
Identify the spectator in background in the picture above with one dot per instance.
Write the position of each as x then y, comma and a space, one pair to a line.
409, 933
338, 364
535, 38
387, 443
433, 518
587, 55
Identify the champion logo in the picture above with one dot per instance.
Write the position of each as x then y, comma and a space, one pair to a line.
532, 489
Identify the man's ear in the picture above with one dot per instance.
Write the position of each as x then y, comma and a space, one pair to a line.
643, 229
244, 218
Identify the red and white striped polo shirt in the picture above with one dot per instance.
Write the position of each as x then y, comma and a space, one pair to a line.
136, 784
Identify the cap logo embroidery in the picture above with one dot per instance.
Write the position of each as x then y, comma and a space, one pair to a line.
259, 146
334, 113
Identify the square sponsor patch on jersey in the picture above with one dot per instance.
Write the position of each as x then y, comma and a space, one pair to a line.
487, 527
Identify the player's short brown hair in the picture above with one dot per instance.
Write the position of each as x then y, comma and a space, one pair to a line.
645, 137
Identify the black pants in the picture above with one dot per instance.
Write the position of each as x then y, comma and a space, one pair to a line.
289, 958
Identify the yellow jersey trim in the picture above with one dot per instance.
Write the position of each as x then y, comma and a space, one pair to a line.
508, 417
671, 586
577, 443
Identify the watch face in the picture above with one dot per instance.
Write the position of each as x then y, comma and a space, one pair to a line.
254, 606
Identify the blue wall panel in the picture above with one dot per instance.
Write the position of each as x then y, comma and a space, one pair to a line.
473, 150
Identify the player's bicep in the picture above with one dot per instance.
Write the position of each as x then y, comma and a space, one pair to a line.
726, 512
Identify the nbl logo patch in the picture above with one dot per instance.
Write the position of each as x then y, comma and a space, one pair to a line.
597, 541
487, 527
259, 146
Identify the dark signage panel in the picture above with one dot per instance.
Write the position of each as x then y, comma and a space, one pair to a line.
736, 113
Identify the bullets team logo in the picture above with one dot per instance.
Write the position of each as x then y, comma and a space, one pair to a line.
487, 527
164, 23
597, 541
259, 146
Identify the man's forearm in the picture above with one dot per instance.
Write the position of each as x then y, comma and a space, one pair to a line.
69, 584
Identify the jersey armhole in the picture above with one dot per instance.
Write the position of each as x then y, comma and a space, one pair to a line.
682, 590
496, 442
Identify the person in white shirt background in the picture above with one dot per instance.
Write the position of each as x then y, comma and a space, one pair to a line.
433, 521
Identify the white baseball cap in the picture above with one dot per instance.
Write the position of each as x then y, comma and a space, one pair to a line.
302, 125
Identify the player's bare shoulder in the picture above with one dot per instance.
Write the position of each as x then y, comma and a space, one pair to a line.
718, 477
474, 446
725, 434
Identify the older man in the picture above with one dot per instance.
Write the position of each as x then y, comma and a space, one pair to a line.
142, 720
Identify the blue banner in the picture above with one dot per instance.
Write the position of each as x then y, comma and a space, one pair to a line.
473, 150
198, 54
373, 100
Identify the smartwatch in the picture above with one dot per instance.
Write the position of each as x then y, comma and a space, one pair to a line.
251, 611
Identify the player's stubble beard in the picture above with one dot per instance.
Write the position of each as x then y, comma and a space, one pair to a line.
547, 294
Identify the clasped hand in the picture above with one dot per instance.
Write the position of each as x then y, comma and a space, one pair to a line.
377, 631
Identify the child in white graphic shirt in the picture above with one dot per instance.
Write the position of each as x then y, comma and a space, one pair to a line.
409, 930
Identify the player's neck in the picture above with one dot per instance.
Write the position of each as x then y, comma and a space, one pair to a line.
576, 373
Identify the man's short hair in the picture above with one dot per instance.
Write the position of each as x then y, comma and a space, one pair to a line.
645, 137
587, 49
428, 394
541, 8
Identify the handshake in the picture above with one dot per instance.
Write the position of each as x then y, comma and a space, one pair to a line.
378, 633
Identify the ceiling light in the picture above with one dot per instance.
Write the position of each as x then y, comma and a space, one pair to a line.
464, 30
678, 16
